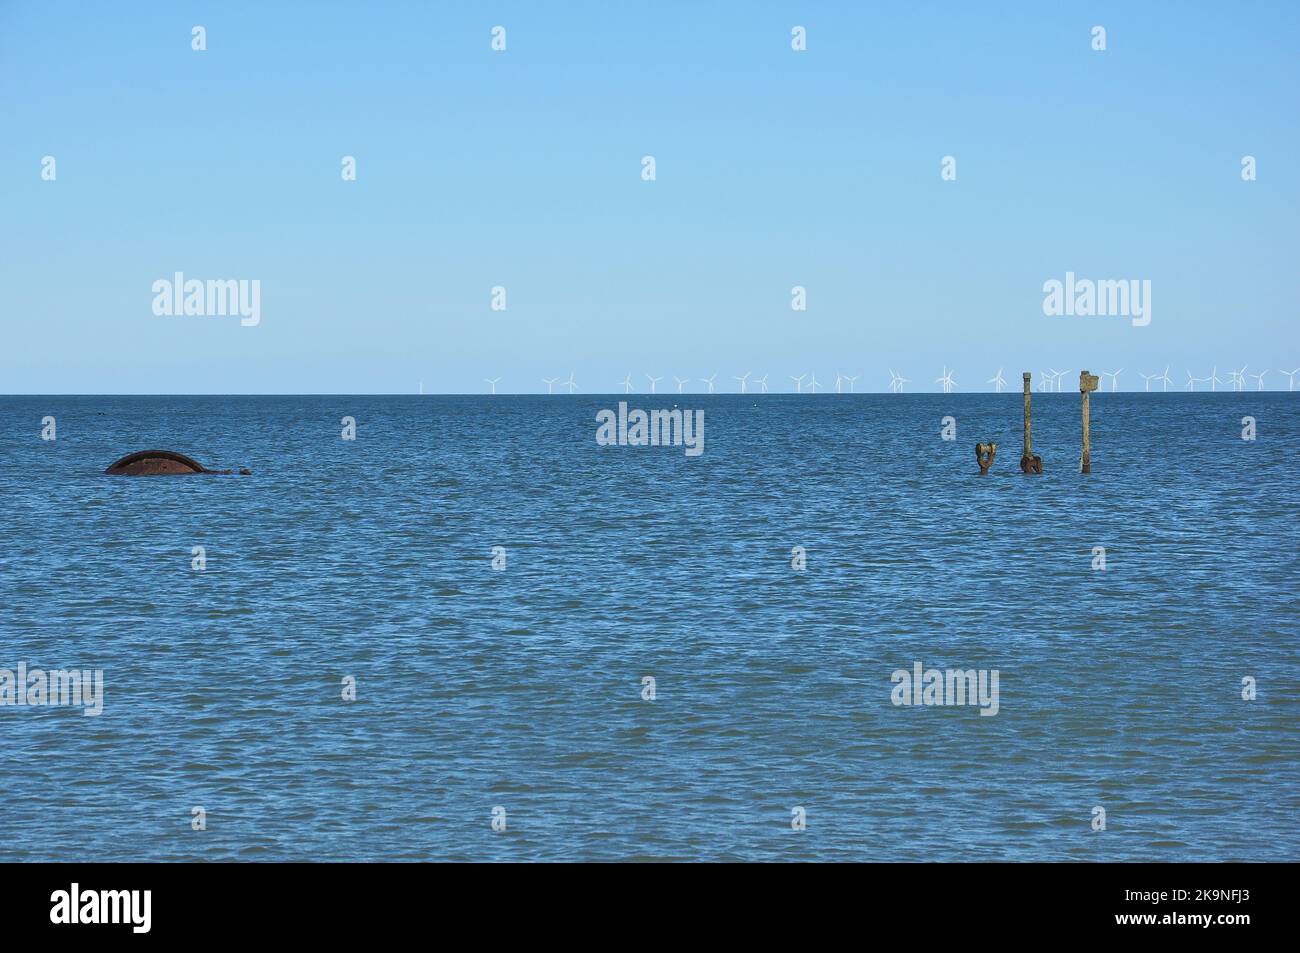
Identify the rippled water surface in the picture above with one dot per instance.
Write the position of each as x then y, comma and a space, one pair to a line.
522, 688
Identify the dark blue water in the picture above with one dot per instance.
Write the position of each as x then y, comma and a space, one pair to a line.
521, 688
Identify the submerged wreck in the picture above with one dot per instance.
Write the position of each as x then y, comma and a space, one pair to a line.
161, 463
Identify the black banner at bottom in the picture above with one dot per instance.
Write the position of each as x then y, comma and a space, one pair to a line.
142, 902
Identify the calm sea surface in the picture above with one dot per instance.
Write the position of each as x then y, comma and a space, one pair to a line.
522, 688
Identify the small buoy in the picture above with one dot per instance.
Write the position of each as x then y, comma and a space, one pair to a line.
161, 463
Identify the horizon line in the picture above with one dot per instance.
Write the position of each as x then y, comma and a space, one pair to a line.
874, 393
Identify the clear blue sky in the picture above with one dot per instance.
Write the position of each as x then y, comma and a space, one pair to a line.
522, 169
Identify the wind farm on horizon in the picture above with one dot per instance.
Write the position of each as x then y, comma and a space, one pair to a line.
1048, 380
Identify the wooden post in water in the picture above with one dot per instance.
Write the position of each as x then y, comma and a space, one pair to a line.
1028, 462
1029, 443
1087, 384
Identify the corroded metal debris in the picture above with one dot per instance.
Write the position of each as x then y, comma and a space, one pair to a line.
1030, 462
161, 463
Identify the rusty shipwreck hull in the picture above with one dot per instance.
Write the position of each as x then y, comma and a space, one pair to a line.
160, 463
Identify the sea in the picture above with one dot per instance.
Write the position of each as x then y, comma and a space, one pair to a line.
475, 633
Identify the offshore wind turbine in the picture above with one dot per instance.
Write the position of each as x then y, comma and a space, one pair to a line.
627, 384
1191, 381
570, 383
1114, 378
709, 381
1291, 375
493, 381
896, 383
1165, 377
1214, 378
852, 381
798, 383
744, 381
839, 380
1148, 378
654, 381
997, 381
550, 383
680, 381
761, 382
1237, 378
1259, 378
812, 384
946, 380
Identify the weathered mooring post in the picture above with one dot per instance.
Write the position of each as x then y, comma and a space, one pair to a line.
1087, 384
984, 454
1028, 462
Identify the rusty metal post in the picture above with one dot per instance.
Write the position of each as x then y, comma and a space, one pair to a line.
1087, 384
1028, 462
984, 454
1029, 443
